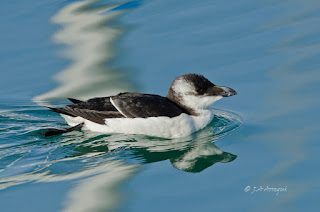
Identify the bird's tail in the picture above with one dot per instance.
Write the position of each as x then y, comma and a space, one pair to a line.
54, 131
62, 110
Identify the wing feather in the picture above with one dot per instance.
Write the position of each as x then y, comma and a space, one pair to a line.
123, 105
136, 105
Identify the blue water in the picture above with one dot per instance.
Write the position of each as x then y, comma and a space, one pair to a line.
265, 137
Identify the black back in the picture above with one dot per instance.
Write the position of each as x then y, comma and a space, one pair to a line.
128, 105
137, 105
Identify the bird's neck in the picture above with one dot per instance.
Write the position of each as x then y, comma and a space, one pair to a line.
178, 100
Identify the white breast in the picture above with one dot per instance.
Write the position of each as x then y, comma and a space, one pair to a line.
165, 127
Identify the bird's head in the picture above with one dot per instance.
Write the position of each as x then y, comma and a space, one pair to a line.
194, 92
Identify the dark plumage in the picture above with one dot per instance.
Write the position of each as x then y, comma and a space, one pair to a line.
130, 105
75, 101
54, 131
200, 83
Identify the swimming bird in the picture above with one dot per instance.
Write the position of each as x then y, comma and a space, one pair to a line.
183, 111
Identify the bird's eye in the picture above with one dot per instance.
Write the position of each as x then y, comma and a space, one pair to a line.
201, 91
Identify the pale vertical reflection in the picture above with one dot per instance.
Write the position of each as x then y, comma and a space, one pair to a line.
101, 192
98, 191
89, 39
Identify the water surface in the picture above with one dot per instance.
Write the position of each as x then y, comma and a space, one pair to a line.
265, 136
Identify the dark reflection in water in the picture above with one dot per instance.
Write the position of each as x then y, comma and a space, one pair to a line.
193, 159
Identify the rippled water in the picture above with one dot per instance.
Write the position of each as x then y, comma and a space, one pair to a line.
105, 161
266, 136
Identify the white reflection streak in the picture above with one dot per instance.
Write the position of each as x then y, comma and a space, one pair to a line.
89, 45
100, 193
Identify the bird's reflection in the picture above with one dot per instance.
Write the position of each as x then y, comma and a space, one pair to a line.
195, 158
201, 157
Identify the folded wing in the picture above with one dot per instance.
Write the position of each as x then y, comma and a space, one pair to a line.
123, 105
136, 105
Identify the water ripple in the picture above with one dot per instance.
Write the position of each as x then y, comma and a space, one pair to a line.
72, 155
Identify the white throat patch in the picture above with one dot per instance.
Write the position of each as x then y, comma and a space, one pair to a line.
200, 102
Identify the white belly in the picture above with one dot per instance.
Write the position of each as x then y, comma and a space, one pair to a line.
165, 127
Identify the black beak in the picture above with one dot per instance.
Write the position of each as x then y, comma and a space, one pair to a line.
226, 92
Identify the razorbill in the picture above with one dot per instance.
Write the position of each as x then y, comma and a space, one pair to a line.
183, 111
